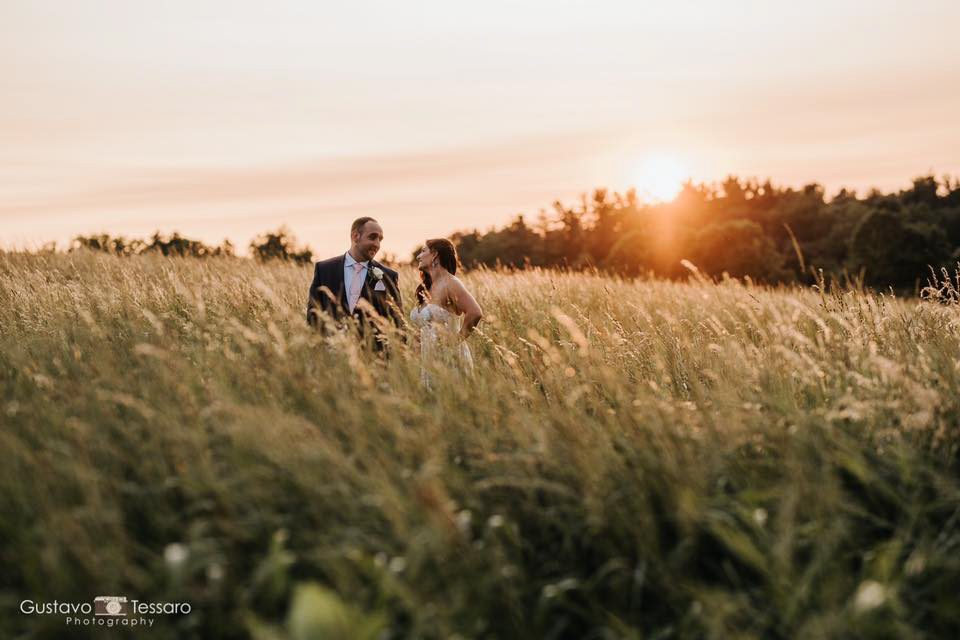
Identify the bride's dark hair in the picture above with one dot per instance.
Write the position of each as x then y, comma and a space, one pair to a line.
446, 256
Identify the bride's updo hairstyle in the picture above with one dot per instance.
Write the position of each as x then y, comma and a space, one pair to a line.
446, 253
446, 256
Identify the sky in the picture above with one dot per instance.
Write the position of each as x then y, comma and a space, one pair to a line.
228, 118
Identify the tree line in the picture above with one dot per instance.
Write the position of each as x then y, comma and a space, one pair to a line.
741, 227
273, 245
744, 228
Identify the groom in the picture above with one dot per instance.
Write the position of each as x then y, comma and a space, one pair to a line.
342, 282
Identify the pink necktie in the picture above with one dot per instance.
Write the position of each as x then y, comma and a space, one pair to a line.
356, 285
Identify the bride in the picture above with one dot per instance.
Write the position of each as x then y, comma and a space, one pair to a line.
446, 313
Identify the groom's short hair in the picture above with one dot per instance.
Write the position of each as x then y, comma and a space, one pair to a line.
358, 224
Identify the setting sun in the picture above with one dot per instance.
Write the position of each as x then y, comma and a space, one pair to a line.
660, 177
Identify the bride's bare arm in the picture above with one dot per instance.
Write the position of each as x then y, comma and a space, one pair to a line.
472, 313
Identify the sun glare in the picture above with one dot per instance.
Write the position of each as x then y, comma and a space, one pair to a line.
660, 177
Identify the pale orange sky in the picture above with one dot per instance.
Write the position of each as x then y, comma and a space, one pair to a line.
225, 118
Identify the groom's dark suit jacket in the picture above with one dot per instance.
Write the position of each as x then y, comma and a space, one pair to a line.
328, 294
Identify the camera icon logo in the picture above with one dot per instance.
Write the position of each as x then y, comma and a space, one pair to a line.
110, 606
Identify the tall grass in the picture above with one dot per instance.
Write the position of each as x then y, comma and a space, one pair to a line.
631, 459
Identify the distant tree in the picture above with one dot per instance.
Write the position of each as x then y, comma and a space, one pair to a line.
469, 248
830, 251
950, 223
844, 195
175, 245
894, 252
924, 191
606, 217
952, 197
740, 248
279, 245
103, 242
733, 190
516, 245
569, 240
634, 252
804, 212
743, 226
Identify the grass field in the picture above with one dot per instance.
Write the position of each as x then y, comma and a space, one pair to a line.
632, 459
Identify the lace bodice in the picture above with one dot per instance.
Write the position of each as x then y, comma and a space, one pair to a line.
430, 314
440, 339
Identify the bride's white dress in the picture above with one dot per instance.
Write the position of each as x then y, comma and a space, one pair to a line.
440, 339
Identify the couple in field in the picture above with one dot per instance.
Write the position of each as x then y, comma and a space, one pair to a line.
355, 285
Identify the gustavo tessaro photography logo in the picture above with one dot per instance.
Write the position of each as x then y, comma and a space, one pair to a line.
106, 611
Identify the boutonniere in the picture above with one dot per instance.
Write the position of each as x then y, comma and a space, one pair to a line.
374, 275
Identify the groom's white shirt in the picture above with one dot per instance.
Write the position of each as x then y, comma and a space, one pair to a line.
348, 263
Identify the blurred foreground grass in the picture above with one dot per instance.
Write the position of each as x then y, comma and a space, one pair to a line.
631, 459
